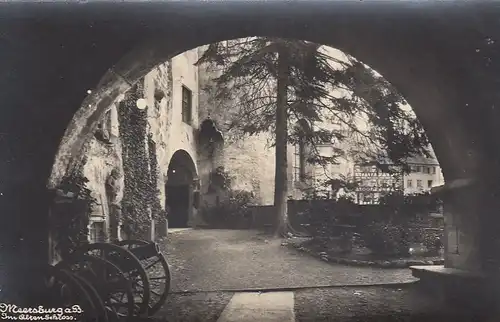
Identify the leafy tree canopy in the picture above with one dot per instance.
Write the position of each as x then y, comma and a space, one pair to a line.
342, 99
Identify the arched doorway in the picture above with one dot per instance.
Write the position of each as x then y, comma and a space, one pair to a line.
180, 189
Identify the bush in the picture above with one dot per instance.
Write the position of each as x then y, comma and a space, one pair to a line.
433, 243
231, 212
386, 239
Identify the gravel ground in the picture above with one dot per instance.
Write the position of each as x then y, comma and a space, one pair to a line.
346, 304
210, 260
375, 304
200, 307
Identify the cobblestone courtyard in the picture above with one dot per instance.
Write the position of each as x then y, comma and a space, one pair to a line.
210, 267
214, 260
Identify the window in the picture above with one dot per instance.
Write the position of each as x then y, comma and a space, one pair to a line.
429, 183
187, 105
433, 170
409, 183
419, 168
96, 232
300, 162
427, 170
419, 183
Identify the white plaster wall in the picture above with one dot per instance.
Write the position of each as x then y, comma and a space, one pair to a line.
165, 117
437, 180
165, 124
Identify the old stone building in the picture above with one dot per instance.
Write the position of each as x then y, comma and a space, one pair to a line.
451, 84
191, 141
169, 94
186, 137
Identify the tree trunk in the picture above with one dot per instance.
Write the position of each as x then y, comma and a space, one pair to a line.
281, 180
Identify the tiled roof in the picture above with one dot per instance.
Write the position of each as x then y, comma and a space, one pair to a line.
422, 160
419, 159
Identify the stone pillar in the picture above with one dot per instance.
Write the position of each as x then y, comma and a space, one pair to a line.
115, 212
152, 230
472, 235
191, 211
462, 230
160, 229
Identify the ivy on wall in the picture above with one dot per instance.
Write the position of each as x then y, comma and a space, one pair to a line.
72, 211
140, 196
157, 212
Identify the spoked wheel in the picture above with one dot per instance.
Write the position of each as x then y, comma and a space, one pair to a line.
131, 268
158, 272
101, 309
62, 290
110, 283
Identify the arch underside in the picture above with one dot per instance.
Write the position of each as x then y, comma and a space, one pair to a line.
403, 47
181, 169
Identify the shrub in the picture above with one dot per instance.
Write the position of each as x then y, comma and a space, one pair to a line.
320, 218
386, 239
231, 212
433, 242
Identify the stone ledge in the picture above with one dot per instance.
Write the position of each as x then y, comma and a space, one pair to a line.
467, 289
399, 263
440, 270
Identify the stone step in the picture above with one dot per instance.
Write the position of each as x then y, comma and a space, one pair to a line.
261, 307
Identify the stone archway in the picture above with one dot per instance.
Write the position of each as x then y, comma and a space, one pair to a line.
408, 57
180, 188
432, 53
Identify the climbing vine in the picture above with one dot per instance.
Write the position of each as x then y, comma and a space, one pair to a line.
156, 209
74, 204
139, 189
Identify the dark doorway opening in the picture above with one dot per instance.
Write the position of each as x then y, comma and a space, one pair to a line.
178, 204
179, 190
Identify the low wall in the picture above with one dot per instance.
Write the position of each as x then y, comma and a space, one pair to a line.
351, 214
262, 216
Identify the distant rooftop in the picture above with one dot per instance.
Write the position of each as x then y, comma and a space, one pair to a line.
422, 160
417, 159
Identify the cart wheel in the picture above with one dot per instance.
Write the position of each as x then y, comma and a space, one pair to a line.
108, 280
96, 299
158, 272
131, 268
62, 290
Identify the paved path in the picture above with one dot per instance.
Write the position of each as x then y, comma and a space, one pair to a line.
262, 307
209, 260
345, 304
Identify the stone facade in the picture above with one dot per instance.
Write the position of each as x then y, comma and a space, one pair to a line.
162, 90
248, 160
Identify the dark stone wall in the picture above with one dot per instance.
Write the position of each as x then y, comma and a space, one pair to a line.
51, 54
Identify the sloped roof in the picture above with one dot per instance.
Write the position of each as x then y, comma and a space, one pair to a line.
422, 160
417, 159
